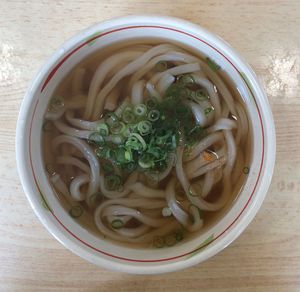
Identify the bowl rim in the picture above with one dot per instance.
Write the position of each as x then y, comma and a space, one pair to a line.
165, 267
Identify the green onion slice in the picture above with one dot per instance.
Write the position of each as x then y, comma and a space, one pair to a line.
140, 110
140, 139
151, 102
56, 102
96, 138
161, 66
102, 128
76, 211
170, 240
158, 241
153, 115
117, 224
208, 110
113, 182
186, 79
118, 128
144, 127
179, 235
146, 161
111, 119
128, 116
48, 126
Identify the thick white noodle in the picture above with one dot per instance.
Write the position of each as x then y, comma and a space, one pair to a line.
75, 186
164, 83
65, 129
192, 195
111, 102
134, 213
69, 160
170, 57
90, 156
146, 192
60, 185
117, 194
170, 224
125, 71
220, 85
178, 70
152, 91
137, 95
214, 98
204, 144
222, 124
179, 213
81, 124
55, 115
198, 113
208, 183
207, 167
103, 69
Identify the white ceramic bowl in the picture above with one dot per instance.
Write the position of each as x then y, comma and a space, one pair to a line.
57, 220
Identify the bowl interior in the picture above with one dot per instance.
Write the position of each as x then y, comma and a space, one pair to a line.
42, 195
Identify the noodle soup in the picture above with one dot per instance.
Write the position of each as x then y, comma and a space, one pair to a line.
146, 143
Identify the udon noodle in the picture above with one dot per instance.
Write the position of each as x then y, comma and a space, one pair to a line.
149, 142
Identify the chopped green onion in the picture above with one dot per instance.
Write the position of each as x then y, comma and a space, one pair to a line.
118, 128
111, 119
146, 161
166, 212
158, 241
140, 139
178, 235
128, 116
151, 102
76, 211
129, 167
56, 102
48, 126
125, 104
50, 169
212, 64
144, 127
107, 168
123, 155
153, 115
117, 224
161, 66
200, 95
186, 79
208, 110
115, 139
133, 143
113, 182
105, 153
156, 152
102, 128
140, 110
170, 240
96, 138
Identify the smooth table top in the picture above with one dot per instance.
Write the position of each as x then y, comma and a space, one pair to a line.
266, 257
